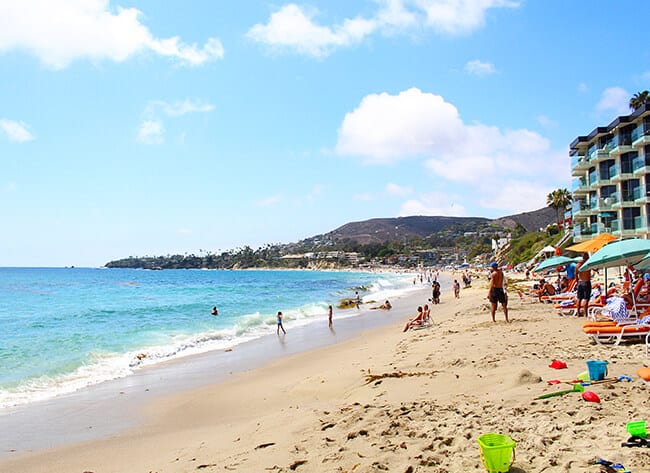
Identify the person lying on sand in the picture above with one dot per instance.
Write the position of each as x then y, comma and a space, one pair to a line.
385, 306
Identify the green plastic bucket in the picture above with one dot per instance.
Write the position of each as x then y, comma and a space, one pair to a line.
497, 452
637, 429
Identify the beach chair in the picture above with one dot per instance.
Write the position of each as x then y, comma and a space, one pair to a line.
569, 294
569, 307
613, 332
425, 323
527, 298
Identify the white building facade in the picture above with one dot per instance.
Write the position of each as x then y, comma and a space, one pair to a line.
611, 178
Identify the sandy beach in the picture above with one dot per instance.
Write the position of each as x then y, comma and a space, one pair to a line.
389, 401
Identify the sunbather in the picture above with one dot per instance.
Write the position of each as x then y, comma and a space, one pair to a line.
545, 289
416, 321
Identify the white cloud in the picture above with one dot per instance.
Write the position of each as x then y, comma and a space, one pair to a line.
385, 129
614, 99
152, 128
365, 197
396, 190
582, 87
270, 201
394, 16
547, 122
178, 108
479, 68
513, 196
295, 29
151, 132
15, 131
459, 16
59, 32
435, 203
316, 191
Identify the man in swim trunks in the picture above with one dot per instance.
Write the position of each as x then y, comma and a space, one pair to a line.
496, 294
584, 284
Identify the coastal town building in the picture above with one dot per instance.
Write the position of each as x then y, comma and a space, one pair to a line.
611, 178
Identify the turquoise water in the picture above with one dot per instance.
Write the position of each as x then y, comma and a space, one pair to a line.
65, 329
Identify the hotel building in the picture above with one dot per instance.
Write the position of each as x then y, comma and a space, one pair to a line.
611, 178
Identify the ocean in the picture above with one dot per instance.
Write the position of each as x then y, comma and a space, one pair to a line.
64, 329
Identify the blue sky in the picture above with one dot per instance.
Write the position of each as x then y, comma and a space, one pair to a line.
145, 127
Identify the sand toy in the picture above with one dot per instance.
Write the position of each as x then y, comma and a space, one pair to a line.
637, 429
611, 467
590, 396
597, 369
577, 388
497, 452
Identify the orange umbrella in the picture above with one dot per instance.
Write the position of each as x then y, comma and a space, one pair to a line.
592, 245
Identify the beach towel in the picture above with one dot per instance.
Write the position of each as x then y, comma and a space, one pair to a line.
616, 308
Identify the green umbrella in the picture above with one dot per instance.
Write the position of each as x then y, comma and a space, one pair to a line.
553, 262
618, 253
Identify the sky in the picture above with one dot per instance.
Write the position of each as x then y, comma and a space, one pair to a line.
141, 127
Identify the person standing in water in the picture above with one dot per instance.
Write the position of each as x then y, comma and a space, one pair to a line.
280, 326
329, 316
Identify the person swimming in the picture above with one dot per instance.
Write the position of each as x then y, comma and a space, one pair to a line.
215, 311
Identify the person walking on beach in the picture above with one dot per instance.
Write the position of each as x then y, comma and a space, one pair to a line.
456, 289
329, 316
584, 284
496, 294
357, 299
280, 326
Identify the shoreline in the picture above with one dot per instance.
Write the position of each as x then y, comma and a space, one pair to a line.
385, 400
179, 341
126, 397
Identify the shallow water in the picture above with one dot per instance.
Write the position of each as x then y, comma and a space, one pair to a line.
65, 329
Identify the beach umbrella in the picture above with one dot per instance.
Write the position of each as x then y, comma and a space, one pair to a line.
553, 262
592, 245
644, 263
618, 253
548, 249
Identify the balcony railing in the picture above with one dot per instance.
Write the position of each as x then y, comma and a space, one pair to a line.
639, 164
640, 223
613, 171
579, 161
578, 185
582, 230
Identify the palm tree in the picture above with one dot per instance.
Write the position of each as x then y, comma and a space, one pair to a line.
558, 199
639, 99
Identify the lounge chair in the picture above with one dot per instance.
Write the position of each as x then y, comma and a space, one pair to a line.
615, 331
569, 294
569, 307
